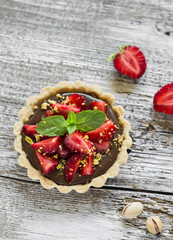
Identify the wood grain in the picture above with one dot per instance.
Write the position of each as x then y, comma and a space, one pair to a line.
32, 212
46, 41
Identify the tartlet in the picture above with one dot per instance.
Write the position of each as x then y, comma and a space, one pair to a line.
105, 166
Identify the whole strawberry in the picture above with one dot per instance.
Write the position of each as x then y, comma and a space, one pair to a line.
130, 61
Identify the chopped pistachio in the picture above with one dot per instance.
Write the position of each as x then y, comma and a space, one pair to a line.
26, 119
51, 101
55, 156
37, 137
44, 106
35, 107
59, 96
28, 140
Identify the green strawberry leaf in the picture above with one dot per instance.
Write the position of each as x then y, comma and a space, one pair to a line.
52, 126
90, 120
111, 57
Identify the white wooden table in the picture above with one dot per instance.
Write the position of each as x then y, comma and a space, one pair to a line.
46, 41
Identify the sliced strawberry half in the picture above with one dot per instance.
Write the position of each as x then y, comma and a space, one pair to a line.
48, 146
29, 130
47, 163
103, 146
105, 132
130, 61
88, 169
98, 105
76, 100
76, 142
63, 151
72, 166
61, 109
163, 99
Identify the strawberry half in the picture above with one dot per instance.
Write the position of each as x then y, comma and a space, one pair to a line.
102, 147
163, 99
48, 146
63, 110
105, 132
47, 163
98, 105
72, 166
76, 142
130, 61
88, 169
76, 100
29, 130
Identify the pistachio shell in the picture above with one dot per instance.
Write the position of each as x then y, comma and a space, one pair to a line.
154, 225
132, 210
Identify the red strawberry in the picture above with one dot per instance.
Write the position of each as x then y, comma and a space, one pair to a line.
163, 99
49, 145
87, 168
63, 110
63, 151
105, 132
47, 163
29, 130
76, 142
103, 146
130, 61
76, 100
99, 105
72, 166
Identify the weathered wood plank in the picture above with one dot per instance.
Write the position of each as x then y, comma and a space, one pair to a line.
30, 212
48, 41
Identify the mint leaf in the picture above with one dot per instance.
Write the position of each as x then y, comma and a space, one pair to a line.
71, 119
90, 120
71, 128
52, 126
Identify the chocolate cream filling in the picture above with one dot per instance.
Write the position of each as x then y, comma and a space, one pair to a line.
58, 175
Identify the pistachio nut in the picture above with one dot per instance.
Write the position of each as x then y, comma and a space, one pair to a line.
154, 225
132, 210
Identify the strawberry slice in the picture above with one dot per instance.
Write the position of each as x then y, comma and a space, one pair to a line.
47, 163
63, 151
130, 61
105, 132
76, 100
49, 145
102, 147
163, 99
29, 130
87, 169
63, 110
72, 166
99, 105
76, 142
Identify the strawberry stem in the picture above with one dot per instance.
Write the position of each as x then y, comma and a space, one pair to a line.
121, 48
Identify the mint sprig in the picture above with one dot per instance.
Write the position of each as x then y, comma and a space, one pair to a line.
85, 121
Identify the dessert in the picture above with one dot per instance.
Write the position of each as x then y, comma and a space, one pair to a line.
72, 137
